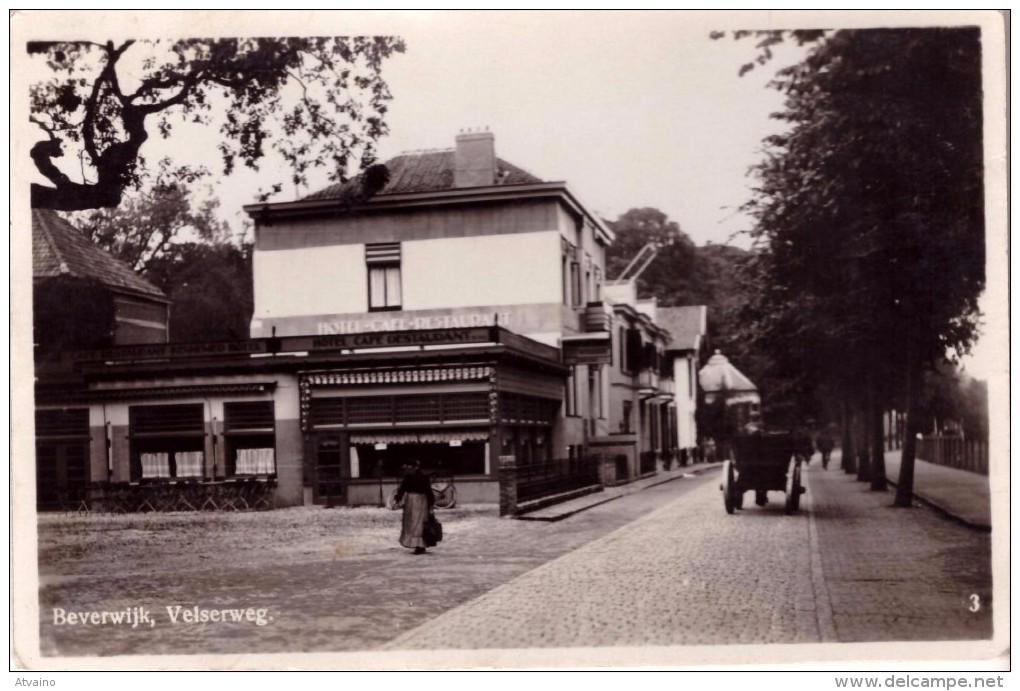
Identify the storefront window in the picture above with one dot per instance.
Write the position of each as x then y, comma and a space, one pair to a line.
250, 439
439, 459
167, 442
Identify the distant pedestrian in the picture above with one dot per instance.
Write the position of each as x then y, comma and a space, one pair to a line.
416, 491
802, 444
824, 445
709, 449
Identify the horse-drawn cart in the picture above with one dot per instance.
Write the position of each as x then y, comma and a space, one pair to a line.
762, 462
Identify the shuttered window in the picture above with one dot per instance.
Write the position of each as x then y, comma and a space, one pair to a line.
635, 350
65, 422
384, 279
250, 416
167, 441
166, 419
250, 441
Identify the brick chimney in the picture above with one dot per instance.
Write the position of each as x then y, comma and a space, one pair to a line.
474, 160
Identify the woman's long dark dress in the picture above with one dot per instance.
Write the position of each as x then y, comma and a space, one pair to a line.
416, 491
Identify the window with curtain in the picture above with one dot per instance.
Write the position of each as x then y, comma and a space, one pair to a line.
384, 280
249, 434
167, 441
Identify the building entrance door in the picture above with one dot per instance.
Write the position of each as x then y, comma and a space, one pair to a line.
61, 470
332, 469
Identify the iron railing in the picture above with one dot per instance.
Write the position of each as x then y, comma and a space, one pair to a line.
544, 478
955, 452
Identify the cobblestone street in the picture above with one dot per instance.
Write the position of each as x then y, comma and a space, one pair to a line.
333, 580
663, 566
848, 568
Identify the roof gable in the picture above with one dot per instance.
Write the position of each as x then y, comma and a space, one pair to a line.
428, 171
685, 324
59, 249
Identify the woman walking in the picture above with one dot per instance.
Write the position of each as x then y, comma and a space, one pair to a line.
416, 491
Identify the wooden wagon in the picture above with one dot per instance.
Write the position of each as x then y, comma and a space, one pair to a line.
762, 462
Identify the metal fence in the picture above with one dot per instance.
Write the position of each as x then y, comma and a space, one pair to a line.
544, 478
955, 452
228, 495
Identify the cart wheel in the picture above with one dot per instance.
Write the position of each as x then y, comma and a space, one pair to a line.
793, 486
446, 498
727, 487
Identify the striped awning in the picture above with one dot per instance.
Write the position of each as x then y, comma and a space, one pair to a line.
422, 437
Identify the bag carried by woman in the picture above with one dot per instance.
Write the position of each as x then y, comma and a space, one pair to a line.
433, 531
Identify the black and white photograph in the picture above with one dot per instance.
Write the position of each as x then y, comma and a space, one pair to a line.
510, 340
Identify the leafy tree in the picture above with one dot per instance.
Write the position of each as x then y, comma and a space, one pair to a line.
953, 398
318, 101
670, 276
146, 225
869, 223
685, 274
210, 286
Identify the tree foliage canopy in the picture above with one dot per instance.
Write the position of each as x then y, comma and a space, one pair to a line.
147, 225
319, 102
670, 275
869, 211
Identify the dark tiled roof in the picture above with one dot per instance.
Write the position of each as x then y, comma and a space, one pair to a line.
430, 171
59, 249
685, 325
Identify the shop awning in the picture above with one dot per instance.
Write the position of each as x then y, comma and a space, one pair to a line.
421, 437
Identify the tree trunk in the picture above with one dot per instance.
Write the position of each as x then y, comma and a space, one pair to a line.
847, 452
862, 437
905, 489
877, 440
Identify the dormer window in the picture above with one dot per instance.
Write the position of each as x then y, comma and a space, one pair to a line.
384, 284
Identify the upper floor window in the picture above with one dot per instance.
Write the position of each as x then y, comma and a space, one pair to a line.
384, 285
576, 298
622, 341
589, 283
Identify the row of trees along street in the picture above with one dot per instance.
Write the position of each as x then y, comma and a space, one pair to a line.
869, 237
868, 244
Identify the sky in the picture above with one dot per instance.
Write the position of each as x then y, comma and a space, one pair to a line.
631, 109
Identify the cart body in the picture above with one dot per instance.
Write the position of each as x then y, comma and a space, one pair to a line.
762, 462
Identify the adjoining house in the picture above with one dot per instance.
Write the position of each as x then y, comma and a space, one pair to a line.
687, 327
83, 298
456, 317
70, 273
642, 431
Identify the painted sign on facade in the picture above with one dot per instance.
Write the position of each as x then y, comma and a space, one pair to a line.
374, 323
522, 319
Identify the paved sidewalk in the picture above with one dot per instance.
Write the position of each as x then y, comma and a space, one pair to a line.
566, 509
963, 495
847, 568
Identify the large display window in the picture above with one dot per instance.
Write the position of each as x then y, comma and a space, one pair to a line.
249, 439
167, 442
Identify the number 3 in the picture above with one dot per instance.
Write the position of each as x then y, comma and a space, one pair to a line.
975, 603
